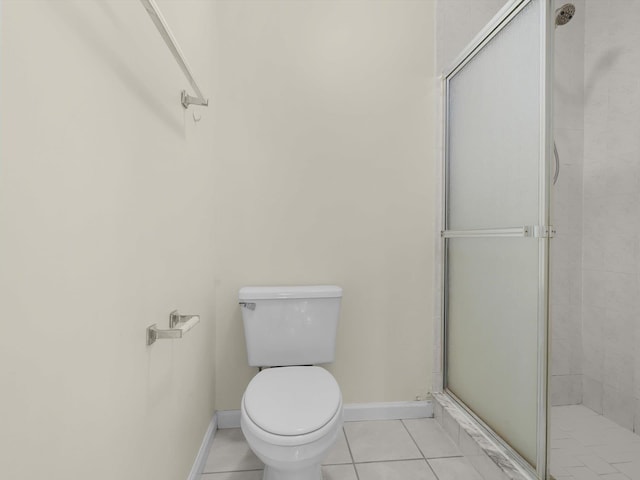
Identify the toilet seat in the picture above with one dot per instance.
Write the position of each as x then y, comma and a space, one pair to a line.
292, 405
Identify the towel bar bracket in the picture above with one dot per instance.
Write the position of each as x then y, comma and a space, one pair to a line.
187, 100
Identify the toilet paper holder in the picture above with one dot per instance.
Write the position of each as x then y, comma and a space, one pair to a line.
178, 326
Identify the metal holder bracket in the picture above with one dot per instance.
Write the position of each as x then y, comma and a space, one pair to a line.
544, 231
178, 326
187, 100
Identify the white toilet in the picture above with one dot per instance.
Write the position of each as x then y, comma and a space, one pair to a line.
291, 415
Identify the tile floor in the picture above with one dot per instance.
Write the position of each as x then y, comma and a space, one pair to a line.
378, 450
588, 446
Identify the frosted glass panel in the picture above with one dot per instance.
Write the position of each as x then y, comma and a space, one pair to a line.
492, 332
493, 291
494, 130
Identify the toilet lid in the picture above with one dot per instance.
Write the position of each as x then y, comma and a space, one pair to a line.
292, 400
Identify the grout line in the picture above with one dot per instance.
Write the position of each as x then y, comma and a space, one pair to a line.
394, 460
413, 439
234, 471
420, 450
344, 432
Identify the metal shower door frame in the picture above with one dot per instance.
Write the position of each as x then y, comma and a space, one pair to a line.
543, 231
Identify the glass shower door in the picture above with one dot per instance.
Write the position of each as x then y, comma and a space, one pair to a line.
496, 228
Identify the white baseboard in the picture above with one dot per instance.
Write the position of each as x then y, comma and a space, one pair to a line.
354, 412
228, 418
201, 458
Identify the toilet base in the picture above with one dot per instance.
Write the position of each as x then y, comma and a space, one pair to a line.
310, 473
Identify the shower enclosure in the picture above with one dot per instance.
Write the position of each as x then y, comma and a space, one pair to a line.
540, 294
496, 227
498, 148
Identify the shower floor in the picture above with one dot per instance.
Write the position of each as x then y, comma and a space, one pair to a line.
588, 446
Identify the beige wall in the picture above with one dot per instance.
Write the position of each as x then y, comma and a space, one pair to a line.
324, 144
105, 227
458, 22
314, 162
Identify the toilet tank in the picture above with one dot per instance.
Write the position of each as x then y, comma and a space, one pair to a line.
290, 325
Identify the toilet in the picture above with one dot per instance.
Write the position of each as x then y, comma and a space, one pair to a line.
291, 411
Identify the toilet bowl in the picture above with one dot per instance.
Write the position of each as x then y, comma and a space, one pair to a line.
291, 417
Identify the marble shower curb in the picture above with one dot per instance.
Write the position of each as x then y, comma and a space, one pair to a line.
490, 459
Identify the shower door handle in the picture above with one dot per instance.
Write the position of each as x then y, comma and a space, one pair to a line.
557, 157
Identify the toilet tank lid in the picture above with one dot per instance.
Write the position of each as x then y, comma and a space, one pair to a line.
275, 293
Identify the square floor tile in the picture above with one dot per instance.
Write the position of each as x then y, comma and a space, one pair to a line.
250, 475
339, 453
582, 473
339, 472
631, 469
596, 447
431, 438
455, 468
399, 470
380, 441
617, 453
230, 452
596, 464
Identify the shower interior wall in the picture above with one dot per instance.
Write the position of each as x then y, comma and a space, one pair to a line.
611, 200
596, 255
566, 211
